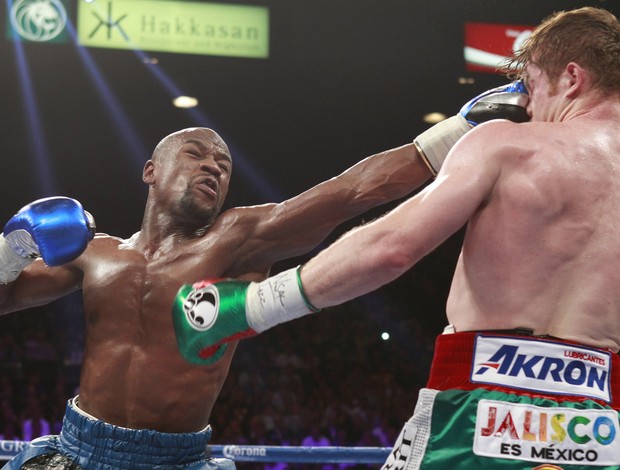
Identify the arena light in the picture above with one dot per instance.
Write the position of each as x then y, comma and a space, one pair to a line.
185, 102
466, 80
434, 118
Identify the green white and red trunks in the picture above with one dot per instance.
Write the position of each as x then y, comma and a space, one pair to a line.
514, 402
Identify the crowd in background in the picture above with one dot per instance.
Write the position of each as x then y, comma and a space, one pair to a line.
331, 381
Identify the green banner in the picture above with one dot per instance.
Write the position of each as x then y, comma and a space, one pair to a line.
175, 26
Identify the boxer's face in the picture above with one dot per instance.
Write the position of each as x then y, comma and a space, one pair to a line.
210, 166
193, 173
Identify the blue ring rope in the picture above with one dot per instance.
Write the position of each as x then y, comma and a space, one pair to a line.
242, 453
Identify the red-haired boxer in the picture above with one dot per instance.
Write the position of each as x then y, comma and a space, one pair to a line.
527, 375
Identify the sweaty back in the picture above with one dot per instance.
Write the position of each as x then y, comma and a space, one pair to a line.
544, 251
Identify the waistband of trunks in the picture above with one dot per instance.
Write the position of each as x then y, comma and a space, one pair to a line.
460, 358
86, 437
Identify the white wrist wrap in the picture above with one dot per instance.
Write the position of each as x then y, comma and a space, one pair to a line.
276, 300
435, 143
11, 264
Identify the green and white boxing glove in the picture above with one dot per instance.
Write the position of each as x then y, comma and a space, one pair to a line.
211, 313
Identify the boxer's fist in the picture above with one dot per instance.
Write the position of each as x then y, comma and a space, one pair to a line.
504, 102
206, 316
211, 313
57, 229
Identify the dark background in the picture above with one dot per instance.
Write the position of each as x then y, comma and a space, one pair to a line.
344, 79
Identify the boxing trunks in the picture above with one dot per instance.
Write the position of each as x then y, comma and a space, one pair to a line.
88, 443
496, 400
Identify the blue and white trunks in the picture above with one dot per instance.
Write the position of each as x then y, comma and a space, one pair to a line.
90, 444
514, 402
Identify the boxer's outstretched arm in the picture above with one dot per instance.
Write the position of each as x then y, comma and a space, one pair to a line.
373, 255
297, 225
211, 313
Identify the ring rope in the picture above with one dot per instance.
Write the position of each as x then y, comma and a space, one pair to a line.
253, 453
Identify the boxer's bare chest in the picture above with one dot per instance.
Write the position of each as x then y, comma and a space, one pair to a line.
133, 284
131, 349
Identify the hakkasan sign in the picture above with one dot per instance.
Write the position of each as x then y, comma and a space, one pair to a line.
175, 26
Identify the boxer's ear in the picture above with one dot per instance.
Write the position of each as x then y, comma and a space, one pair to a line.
574, 78
148, 173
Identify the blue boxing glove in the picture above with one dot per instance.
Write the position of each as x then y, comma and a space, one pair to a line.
56, 229
504, 102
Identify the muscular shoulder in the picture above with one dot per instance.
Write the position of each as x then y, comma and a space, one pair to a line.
497, 144
241, 229
103, 240
258, 236
99, 245
243, 219
485, 146
499, 136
